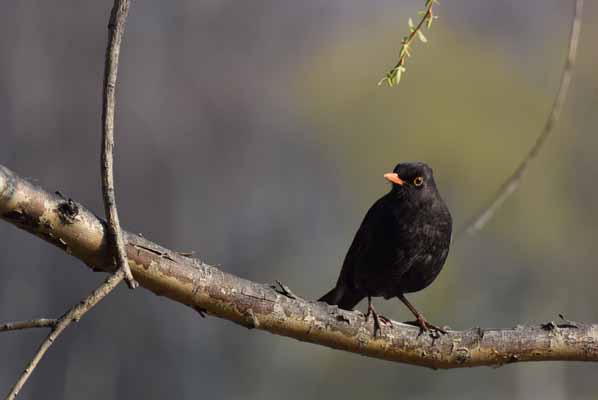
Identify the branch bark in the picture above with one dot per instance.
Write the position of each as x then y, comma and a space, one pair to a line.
189, 281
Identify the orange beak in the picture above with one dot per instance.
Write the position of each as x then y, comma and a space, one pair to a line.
394, 178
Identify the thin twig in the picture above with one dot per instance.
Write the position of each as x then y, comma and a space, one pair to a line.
34, 323
393, 77
73, 315
479, 220
116, 28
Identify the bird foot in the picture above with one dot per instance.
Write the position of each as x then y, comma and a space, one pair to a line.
425, 326
378, 319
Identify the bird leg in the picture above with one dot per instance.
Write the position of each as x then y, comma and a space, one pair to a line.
377, 317
423, 324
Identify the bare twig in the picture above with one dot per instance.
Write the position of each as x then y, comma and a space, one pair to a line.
116, 28
34, 323
73, 315
253, 305
478, 221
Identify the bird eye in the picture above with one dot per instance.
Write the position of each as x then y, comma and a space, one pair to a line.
418, 181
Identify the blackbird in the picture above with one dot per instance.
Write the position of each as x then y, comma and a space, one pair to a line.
400, 246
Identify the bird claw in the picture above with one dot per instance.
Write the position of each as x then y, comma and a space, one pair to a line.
425, 326
378, 319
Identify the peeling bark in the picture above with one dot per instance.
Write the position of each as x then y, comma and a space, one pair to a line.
71, 227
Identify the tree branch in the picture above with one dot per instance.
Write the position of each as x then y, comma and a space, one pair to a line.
73, 315
479, 220
116, 29
78, 232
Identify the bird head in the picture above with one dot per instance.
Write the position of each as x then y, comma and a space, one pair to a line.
414, 179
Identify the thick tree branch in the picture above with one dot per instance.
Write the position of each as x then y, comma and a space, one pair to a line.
73, 315
511, 184
78, 232
116, 29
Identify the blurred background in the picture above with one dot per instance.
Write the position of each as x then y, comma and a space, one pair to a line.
254, 133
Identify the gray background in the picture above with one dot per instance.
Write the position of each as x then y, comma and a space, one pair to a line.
254, 133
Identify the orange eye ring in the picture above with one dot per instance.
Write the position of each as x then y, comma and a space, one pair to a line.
418, 181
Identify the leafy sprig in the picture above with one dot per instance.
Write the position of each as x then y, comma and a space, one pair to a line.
393, 77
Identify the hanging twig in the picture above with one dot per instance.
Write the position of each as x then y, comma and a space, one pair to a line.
393, 77
116, 28
73, 315
479, 220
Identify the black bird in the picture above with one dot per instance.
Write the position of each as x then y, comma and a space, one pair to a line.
400, 246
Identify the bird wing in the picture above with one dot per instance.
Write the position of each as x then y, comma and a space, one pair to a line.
377, 258
357, 251
369, 245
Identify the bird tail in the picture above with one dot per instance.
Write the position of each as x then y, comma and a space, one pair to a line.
342, 297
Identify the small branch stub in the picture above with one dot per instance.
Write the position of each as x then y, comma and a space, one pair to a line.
34, 323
